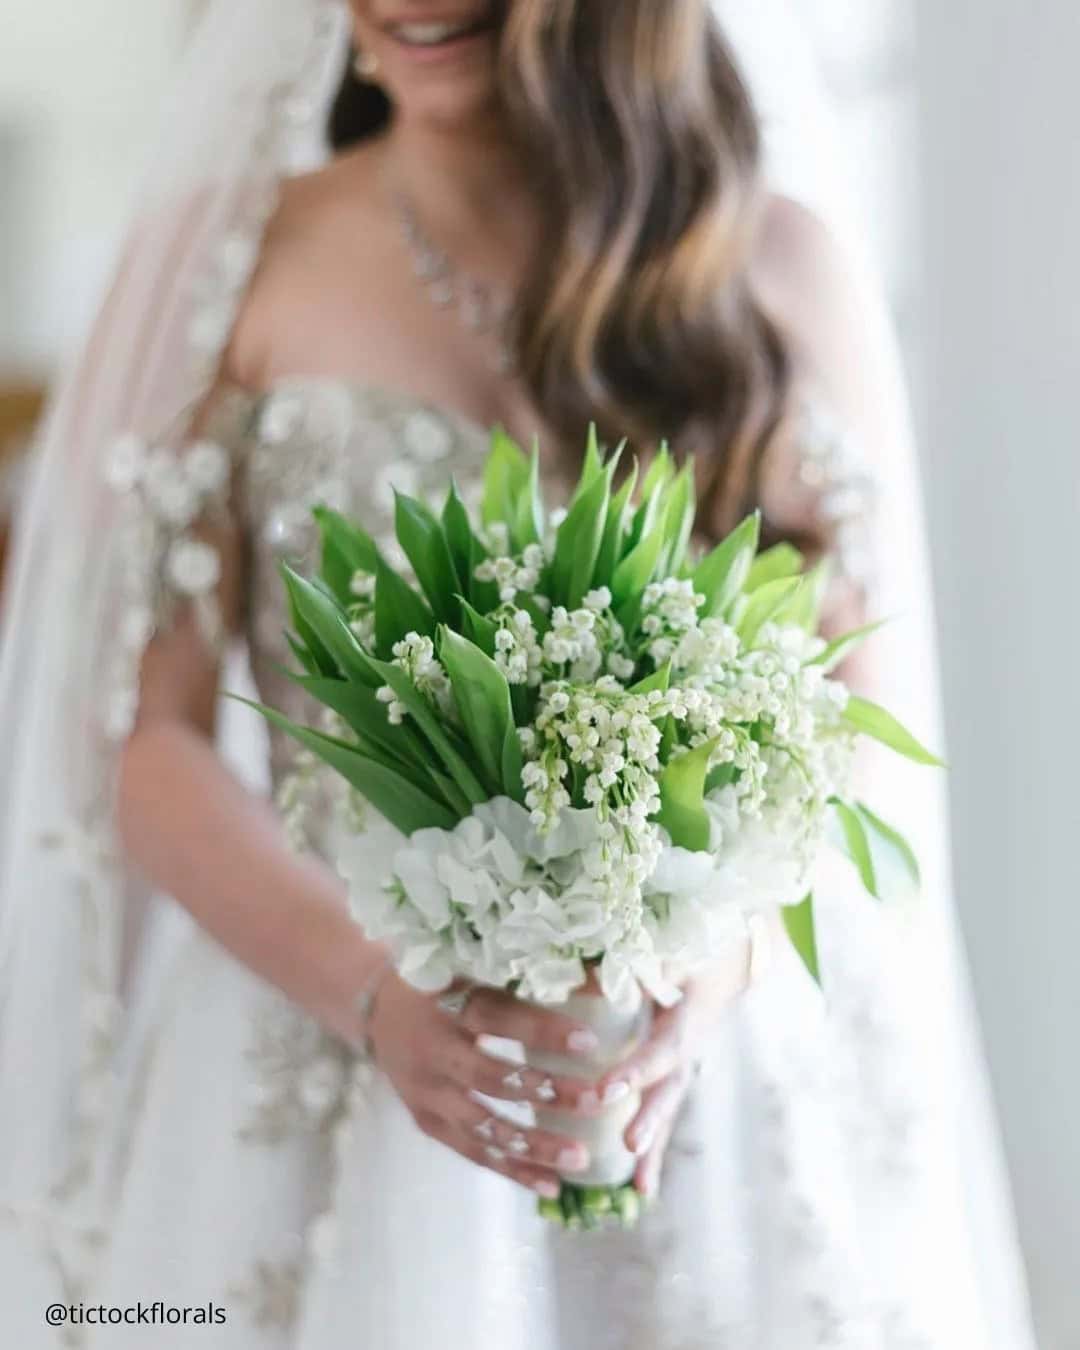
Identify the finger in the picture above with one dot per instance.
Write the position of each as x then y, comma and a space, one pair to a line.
489, 1156
658, 1103
490, 1012
522, 1143
657, 1057
465, 1064
647, 1172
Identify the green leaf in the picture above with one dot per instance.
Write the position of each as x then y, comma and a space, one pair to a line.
659, 472
577, 544
478, 628
324, 630
805, 607
611, 546
346, 550
679, 512
463, 545
839, 649
357, 705
483, 700
309, 663
799, 922
895, 864
306, 646
635, 572
782, 560
529, 518
592, 465
720, 777
856, 844
454, 758
659, 679
652, 496
421, 537
512, 762
398, 611
452, 794
874, 721
764, 604
506, 474
682, 798
721, 575
402, 803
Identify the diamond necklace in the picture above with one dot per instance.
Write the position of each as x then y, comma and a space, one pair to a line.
481, 308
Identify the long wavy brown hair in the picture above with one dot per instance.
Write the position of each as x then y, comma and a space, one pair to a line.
637, 312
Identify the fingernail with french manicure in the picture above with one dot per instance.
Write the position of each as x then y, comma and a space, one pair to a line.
550, 1190
644, 1142
582, 1041
572, 1160
615, 1092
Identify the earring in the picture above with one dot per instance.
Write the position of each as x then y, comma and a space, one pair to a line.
366, 66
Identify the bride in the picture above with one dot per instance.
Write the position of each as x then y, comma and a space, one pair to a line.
537, 213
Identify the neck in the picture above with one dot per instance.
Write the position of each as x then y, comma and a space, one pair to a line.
471, 188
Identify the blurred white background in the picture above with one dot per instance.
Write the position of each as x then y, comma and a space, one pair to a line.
959, 124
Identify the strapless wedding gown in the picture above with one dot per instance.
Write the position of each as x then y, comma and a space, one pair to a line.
808, 1199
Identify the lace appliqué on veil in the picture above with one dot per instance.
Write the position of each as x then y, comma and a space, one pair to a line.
158, 561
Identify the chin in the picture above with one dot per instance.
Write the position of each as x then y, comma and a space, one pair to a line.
440, 66
460, 105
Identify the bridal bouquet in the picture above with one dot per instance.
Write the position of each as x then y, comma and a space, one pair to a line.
603, 754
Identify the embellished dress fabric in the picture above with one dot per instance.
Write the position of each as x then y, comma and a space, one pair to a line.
255, 1165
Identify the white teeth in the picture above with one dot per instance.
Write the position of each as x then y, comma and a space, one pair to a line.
428, 34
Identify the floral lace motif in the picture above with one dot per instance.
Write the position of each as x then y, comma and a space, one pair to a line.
272, 1294
299, 1076
835, 470
158, 561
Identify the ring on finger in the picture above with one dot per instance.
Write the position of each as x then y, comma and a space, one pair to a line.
485, 1128
455, 1001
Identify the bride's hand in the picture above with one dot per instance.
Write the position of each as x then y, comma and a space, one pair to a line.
433, 1060
663, 1067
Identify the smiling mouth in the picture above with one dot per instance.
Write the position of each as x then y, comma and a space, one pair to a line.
439, 32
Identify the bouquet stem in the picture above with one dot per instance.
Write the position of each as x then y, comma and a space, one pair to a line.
592, 1206
603, 1189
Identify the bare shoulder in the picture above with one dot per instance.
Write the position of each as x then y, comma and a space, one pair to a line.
319, 200
834, 318
806, 281
329, 233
